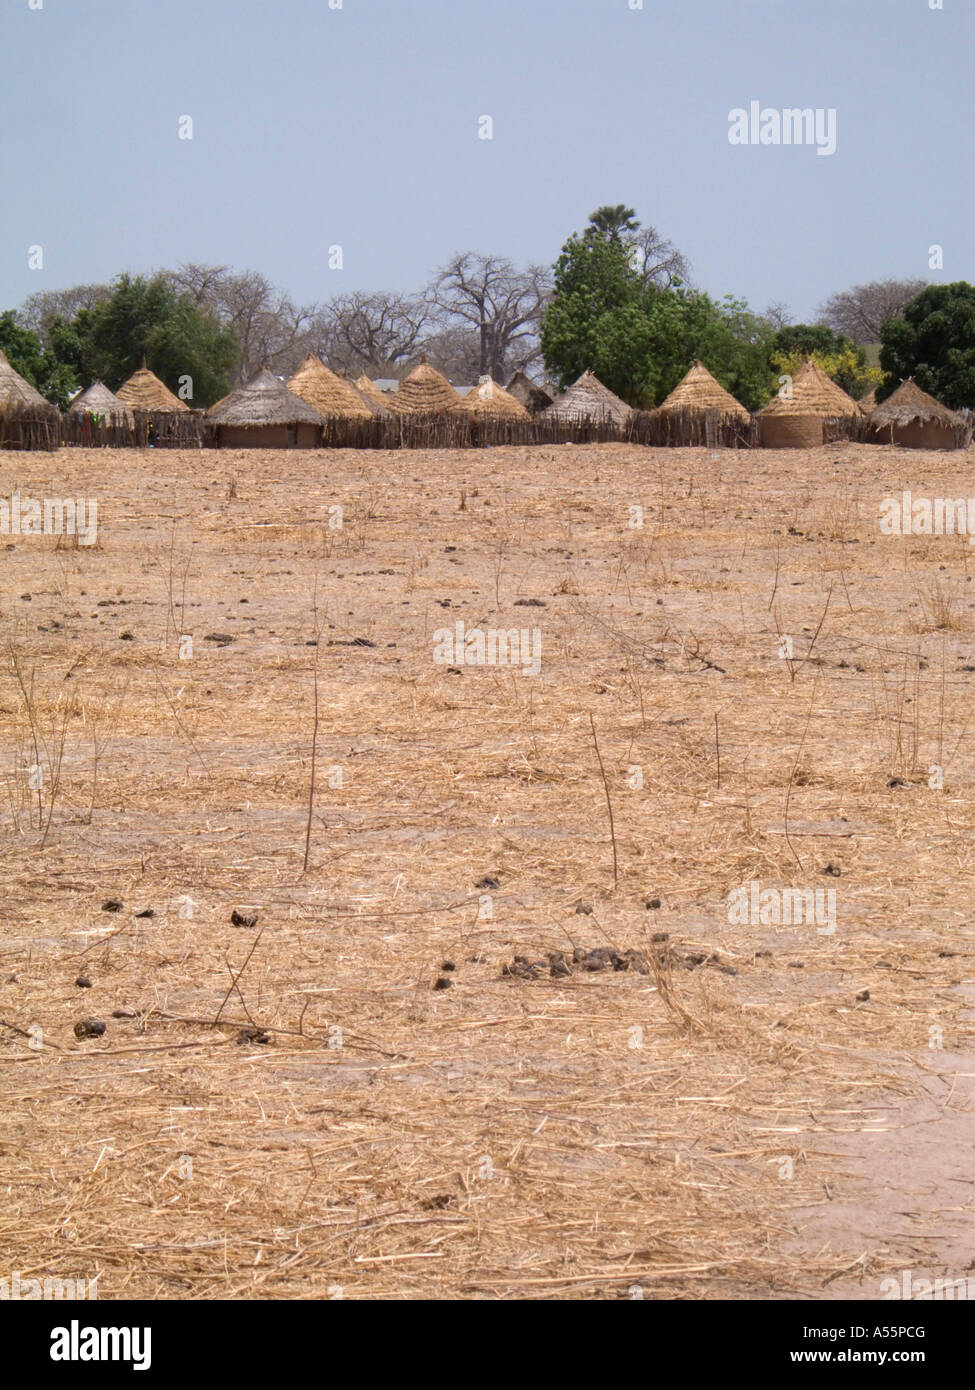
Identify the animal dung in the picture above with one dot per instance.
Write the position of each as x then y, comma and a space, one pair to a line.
89, 1028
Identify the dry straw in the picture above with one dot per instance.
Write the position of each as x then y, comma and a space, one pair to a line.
144, 391
16, 393
99, 401
589, 399
263, 401
595, 1135
327, 393
27, 420
910, 405
373, 397
487, 398
698, 390
813, 393
425, 392
814, 410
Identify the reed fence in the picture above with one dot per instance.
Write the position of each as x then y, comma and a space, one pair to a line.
150, 429
25, 428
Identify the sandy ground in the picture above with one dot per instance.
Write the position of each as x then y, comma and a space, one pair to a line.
767, 1112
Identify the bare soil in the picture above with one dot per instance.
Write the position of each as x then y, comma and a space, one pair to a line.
294, 1108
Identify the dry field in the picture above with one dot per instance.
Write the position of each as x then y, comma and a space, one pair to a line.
760, 1111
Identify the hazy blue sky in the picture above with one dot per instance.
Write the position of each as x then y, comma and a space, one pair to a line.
359, 126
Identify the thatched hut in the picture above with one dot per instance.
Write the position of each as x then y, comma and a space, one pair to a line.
102, 405
264, 414
589, 400
700, 412
868, 403
817, 409
332, 397
914, 420
27, 420
699, 391
378, 400
534, 398
144, 391
489, 401
425, 392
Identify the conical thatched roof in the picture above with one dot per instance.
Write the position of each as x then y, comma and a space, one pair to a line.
263, 401
99, 400
425, 392
868, 402
488, 399
909, 404
698, 390
589, 399
532, 397
328, 393
813, 393
144, 391
16, 393
372, 395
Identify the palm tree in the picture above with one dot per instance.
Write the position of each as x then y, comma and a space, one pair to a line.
612, 221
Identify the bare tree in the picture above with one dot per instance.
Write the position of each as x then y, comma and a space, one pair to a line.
271, 329
203, 283
859, 313
456, 351
657, 260
40, 310
502, 303
377, 332
778, 315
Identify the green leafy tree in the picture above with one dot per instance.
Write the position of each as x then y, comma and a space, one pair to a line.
615, 222
840, 358
596, 316
177, 336
640, 337
733, 342
934, 343
55, 380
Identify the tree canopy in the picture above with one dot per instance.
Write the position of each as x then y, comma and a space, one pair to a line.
178, 337
56, 380
637, 335
839, 357
934, 343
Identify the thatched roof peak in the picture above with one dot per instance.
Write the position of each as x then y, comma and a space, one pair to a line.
425, 391
589, 399
909, 403
376, 399
99, 400
698, 390
263, 401
487, 398
813, 393
144, 391
15, 392
534, 398
315, 384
